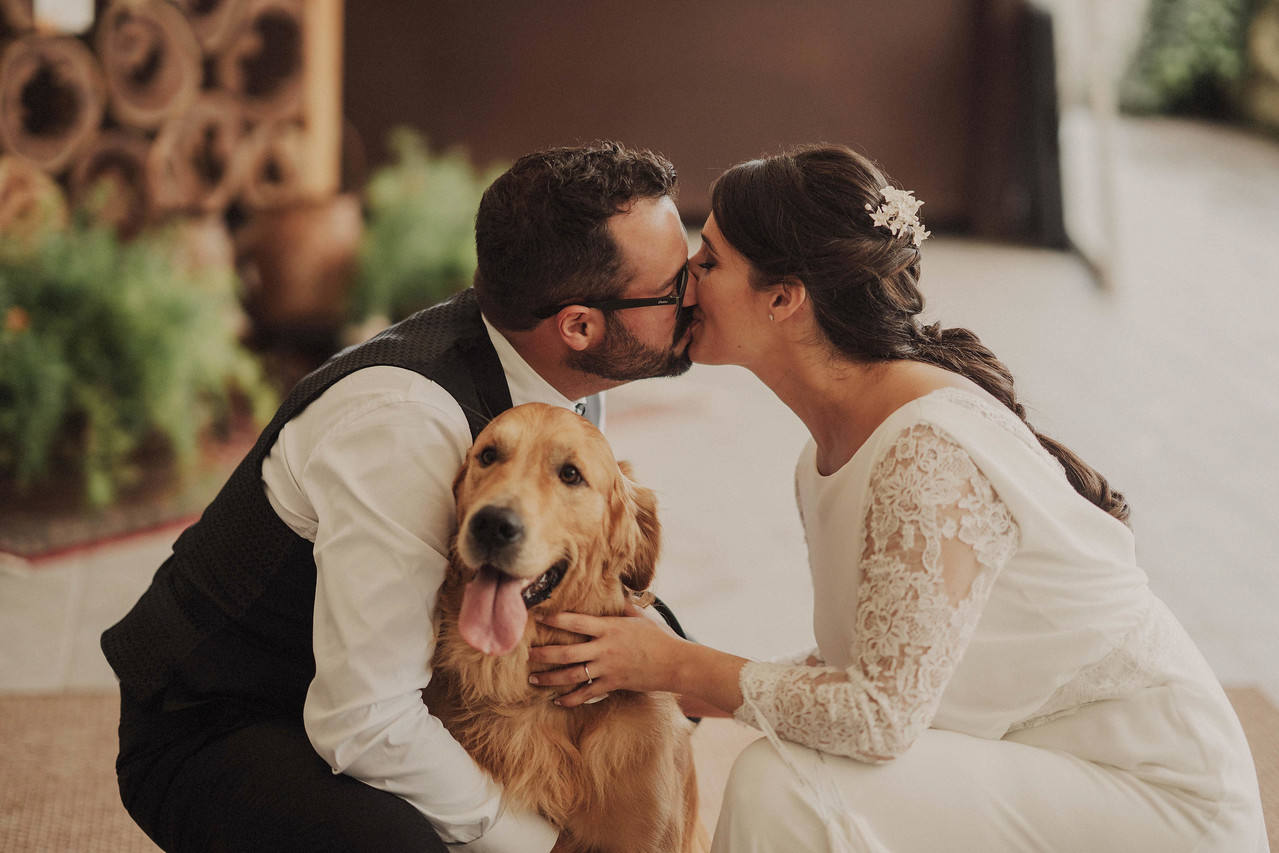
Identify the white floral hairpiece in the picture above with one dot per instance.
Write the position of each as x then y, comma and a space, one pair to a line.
900, 209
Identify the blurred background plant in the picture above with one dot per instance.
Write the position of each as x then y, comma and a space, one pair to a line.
107, 346
1192, 58
418, 246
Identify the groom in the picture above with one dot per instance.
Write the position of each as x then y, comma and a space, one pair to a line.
271, 674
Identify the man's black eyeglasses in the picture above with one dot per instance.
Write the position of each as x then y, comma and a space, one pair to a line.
676, 298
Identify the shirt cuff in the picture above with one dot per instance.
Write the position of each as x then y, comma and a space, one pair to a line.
513, 832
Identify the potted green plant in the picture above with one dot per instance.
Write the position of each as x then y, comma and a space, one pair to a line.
418, 245
1192, 58
106, 346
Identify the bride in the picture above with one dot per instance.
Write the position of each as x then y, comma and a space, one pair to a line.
992, 671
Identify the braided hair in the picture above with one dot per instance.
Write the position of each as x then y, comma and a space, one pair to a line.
803, 213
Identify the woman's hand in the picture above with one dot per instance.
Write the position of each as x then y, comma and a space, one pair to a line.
629, 652
633, 652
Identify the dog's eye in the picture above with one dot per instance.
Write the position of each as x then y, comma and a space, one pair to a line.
570, 475
487, 456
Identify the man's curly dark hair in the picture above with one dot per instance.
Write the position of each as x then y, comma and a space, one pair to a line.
541, 232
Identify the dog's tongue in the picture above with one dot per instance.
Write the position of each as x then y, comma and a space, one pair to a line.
493, 613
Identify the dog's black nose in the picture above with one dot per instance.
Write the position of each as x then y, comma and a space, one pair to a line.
495, 527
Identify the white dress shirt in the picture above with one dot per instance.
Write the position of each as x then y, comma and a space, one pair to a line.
365, 472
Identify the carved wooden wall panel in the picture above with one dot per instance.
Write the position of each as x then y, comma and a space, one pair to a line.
182, 108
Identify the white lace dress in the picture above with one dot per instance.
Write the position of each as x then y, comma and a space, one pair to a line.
991, 663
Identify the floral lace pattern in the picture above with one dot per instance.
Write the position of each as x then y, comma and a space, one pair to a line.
1137, 662
808, 657
936, 537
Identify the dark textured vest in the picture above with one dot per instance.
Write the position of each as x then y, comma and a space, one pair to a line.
229, 614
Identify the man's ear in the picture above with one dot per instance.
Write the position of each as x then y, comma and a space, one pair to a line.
580, 328
639, 554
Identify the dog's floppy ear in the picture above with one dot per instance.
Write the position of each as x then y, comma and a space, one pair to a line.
459, 480
639, 525
461, 474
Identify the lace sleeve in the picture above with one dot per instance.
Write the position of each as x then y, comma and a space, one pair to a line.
936, 536
807, 657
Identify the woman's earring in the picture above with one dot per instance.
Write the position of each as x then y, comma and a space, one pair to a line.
770, 318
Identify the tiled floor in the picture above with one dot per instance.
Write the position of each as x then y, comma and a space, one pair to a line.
1169, 384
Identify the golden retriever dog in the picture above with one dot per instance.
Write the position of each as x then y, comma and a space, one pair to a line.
549, 521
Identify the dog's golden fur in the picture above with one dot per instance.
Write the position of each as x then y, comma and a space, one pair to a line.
616, 775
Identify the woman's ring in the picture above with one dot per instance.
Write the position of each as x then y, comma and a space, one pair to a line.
589, 680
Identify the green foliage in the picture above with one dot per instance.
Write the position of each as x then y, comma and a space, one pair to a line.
419, 239
104, 344
1191, 59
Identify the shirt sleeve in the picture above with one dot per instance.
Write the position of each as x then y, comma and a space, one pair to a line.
380, 484
936, 537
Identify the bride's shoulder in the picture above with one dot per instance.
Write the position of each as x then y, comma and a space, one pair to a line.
952, 408
977, 421
905, 383
964, 400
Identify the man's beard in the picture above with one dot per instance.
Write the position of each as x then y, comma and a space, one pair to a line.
623, 357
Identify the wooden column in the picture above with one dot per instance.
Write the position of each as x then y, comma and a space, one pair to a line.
322, 97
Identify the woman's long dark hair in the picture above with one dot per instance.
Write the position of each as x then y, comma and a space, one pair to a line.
804, 213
